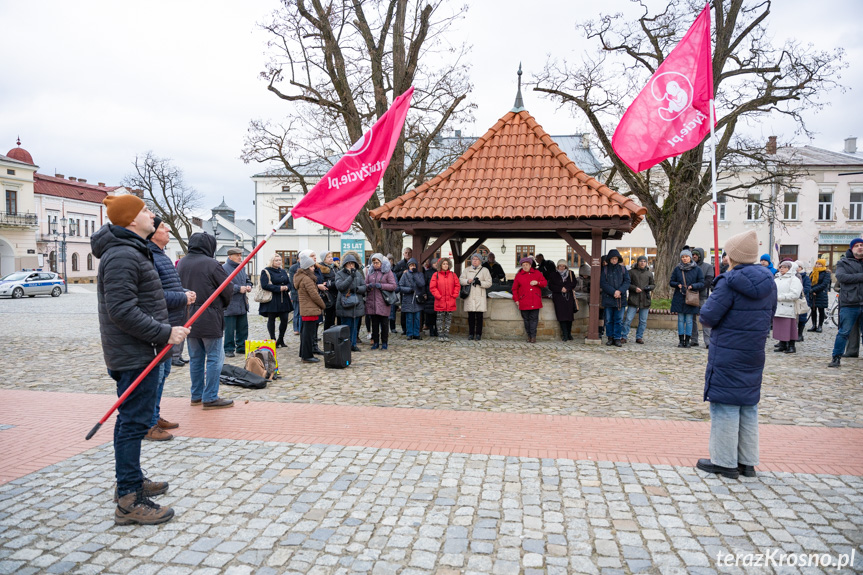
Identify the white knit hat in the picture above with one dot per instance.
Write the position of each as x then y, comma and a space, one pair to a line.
306, 260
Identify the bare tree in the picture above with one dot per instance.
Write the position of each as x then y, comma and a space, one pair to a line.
752, 79
165, 193
340, 64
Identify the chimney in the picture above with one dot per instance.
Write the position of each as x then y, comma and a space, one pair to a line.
61, 176
82, 180
101, 184
771, 145
73, 179
196, 221
851, 145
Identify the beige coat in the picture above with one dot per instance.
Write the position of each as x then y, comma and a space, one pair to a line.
476, 301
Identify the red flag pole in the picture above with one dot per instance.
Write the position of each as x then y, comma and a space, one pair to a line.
717, 256
189, 322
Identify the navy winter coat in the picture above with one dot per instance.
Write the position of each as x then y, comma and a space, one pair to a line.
821, 290
740, 311
694, 279
614, 278
239, 301
416, 283
272, 280
133, 316
175, 295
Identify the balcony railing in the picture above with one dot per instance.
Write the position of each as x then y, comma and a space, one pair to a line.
18, 219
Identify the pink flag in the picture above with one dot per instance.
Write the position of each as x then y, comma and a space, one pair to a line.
671, 114
336, 200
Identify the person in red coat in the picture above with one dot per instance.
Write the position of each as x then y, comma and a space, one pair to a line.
527, 293
444, 287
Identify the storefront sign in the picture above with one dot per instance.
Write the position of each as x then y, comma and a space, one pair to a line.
835, 239
353, 245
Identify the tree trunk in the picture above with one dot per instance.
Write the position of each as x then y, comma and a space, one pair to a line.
671, 231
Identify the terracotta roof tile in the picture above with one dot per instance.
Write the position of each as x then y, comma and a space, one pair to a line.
514, 171
63, 188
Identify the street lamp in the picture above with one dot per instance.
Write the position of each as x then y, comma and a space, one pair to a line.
63, 222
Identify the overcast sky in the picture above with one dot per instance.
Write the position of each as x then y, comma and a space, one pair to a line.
89, 84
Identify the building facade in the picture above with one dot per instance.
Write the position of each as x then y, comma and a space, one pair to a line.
18, 220
816, 216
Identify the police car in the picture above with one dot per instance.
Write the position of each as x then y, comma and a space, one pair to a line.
31, 283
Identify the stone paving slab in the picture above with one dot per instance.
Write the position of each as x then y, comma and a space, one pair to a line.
264, 507
59, 338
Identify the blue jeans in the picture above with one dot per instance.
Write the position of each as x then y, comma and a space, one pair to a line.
733, 434
209, 351
297, 317
642, 321
165, 371
133, 422
413, 323
684, 323
236, 333
613, 323
848, 316
354, 324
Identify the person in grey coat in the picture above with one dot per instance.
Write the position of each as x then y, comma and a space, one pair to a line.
237, 312
413, 284
709, 273
350, 282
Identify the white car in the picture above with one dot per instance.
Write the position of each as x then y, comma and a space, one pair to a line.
31, 283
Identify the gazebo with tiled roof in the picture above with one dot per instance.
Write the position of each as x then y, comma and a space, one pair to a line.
513, 182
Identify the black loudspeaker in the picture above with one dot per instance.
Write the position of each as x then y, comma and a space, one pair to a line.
337, 347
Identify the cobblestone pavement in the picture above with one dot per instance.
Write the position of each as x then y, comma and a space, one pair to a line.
59, 339
256, 507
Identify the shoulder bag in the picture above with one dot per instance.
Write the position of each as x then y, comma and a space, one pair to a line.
692, 296
349, 300
262, 295
390, 297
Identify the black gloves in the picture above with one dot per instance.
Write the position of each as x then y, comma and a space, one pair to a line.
476, 281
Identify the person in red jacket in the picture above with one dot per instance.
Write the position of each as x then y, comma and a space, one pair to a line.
527, 293
444, 287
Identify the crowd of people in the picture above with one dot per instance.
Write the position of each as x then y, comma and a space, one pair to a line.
144, 302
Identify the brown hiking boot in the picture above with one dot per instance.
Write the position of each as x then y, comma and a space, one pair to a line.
218, 404
165, 424
150, 488
135, 508
156, 433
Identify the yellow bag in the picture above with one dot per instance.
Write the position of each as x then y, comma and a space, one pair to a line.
271, 360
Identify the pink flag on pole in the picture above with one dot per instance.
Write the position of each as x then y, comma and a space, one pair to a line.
336, 200
671, 114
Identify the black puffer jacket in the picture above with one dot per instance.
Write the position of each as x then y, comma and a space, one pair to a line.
201, 273
175, 295
133, 315
849, 274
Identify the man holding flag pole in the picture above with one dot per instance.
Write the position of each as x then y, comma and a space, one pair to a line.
334, 202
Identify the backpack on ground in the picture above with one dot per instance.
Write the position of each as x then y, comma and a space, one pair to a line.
262, 362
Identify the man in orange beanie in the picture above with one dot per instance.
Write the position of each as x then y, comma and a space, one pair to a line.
133, 321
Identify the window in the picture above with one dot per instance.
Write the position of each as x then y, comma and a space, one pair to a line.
90, 262
10, 172
832, 253
720, 206
788, 253
825, 206
11, 202
78, 227
790, 208
753, 207
52, 261
856, 211
289, 224
289, 257
286, 189
573, 260
74, 262
523, 252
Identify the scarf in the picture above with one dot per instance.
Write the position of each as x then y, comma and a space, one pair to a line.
686, 267
563, 274
820, 266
